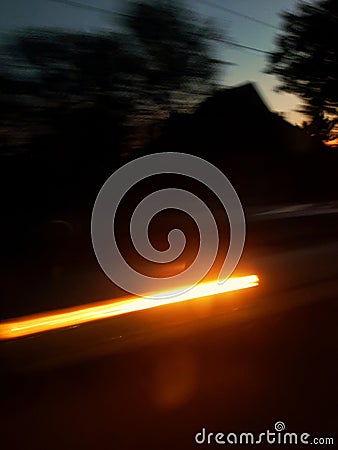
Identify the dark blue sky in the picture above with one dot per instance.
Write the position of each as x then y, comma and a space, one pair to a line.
22, 13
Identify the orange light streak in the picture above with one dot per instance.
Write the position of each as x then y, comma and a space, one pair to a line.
333, 143
38, 323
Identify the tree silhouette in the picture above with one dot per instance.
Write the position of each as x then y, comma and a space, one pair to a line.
306, 61
320, 126
173, 46
77, 88
68, 66
82, 94
160, 61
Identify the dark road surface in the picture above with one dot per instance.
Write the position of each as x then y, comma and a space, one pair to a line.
238, 363
242, 377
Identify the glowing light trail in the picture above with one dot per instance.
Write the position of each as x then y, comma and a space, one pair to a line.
42, 322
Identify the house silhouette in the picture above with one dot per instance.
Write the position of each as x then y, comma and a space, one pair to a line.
265, 157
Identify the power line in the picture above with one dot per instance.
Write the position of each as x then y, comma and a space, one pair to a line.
240, 46
87, 7
247, 47
80, 5
236, 13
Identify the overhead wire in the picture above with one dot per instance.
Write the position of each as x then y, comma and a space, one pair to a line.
240, 46
238, 14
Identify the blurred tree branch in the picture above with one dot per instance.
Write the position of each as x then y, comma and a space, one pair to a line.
161, 61
306, 61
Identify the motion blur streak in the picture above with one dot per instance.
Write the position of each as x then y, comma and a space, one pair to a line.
38, 323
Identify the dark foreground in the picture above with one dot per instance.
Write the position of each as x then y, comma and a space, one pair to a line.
228, 379
235, 363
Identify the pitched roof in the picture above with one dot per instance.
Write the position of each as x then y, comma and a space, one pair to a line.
233, 121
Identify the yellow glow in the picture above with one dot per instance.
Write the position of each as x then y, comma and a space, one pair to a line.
333, 143
38, 323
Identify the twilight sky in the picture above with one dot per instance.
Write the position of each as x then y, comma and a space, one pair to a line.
16, 14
